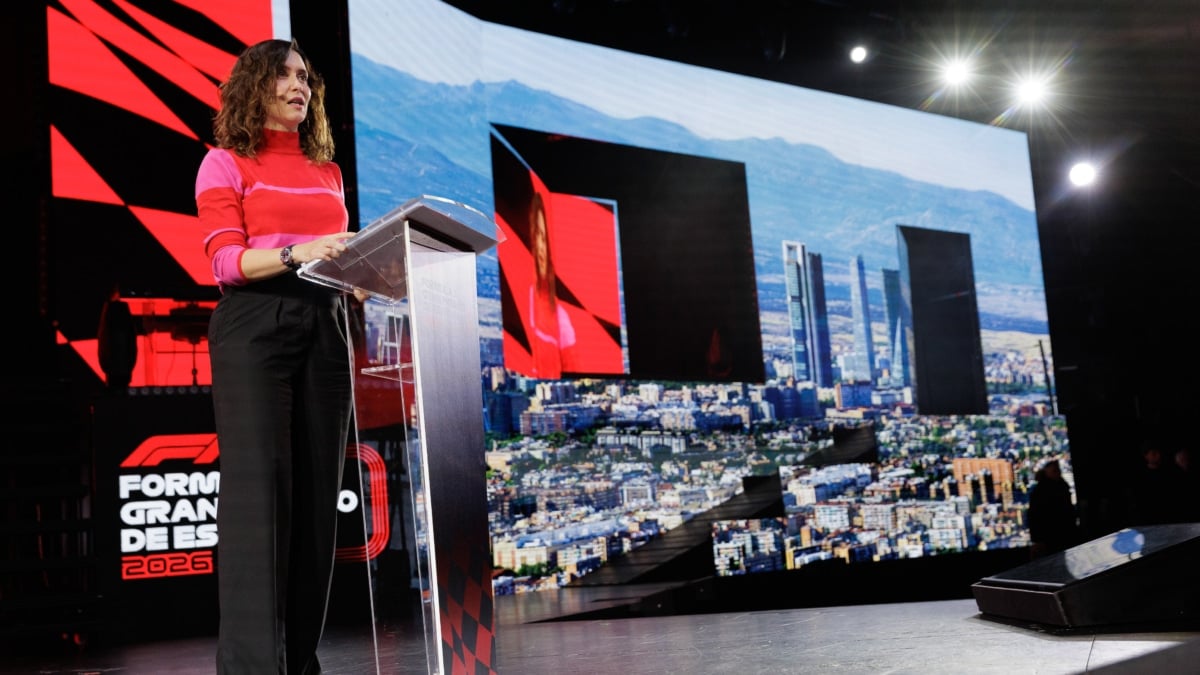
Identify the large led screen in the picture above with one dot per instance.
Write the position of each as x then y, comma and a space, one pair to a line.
742, 273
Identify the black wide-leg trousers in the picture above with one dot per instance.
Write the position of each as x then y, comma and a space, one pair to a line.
282, 398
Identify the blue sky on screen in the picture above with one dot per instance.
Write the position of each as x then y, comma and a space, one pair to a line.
438, 43
281, 19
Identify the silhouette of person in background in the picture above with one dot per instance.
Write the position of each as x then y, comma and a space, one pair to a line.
551, 331
1157, 488
1052, 518
1189, 486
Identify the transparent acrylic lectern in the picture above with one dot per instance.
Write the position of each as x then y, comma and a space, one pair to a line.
418, 265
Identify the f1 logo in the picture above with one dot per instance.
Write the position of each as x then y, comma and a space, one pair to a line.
201, 452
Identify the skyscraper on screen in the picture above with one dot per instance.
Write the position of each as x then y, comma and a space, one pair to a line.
863, 361
808, 322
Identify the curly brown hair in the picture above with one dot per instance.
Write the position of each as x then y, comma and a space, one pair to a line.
238, 124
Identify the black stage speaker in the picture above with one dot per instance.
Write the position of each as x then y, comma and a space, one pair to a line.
1134, 576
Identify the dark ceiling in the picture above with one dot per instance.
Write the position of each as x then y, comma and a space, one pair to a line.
1118, 259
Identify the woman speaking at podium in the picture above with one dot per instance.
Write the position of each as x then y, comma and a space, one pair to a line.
270, 197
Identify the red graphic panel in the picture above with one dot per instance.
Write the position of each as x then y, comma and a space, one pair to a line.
171, 343
376, 488
176, 232
72, 177
249, 22
81, 61
133, 88
205, 57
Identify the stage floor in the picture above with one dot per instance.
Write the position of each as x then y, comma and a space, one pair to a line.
947, 636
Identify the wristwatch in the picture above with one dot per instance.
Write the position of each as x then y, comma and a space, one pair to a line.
285, 257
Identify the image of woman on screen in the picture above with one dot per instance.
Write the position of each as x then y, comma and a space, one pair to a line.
550, 331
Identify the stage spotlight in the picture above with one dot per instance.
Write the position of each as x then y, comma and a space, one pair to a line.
1032, 91
858, 54
1082, 174
956, 72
